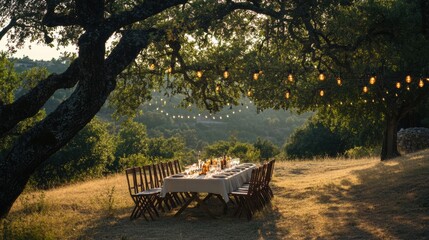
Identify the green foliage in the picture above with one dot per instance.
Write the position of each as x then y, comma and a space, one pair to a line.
165, 148
132, 160
217, 149
9, 80
245, 151
132, 141
266, 148
11, 83
87, 155
314, 140
362, 152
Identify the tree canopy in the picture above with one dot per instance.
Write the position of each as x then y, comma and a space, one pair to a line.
213, 53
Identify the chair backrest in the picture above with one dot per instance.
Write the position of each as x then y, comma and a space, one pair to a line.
254, 181
177, 167
134, 180
148, 177
270, 171
157, 175
171, 169
164, 169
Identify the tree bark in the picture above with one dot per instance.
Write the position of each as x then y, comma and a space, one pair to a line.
390, 147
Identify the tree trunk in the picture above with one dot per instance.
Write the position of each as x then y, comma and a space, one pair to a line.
390, 147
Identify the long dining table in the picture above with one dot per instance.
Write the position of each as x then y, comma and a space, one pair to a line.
218, 184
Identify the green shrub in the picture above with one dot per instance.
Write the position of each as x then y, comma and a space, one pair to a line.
313, 140
362, 152
87, 155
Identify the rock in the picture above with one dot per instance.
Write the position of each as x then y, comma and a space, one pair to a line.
413, 139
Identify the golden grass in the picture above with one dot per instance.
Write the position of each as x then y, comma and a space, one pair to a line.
321, 199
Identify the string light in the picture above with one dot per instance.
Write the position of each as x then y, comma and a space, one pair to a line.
225, 73
256, 75
169, 70
322, 92
290, 76
151, 64
287, 93
365, 89
218, 87
249, 93
408, 79
339, 81
398, 85
421, 83
372, 79
322, 76
199, 73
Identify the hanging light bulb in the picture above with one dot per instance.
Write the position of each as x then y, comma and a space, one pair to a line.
398, 85
287, 93
151, 64
290, 76
408, 79
408, 88
218, 87
322, 92
322, 76
256, 75
249, 93
225, 73
199, 73
421, 83
372, 79
365, 89
339, 81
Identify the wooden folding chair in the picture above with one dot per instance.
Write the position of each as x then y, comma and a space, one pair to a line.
246, 200
142, 198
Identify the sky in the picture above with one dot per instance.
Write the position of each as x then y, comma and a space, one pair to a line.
37, 51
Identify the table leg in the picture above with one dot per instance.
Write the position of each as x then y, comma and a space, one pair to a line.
193, 197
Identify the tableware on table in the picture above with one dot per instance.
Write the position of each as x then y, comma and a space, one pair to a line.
219, 176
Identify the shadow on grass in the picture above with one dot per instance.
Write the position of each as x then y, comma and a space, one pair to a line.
391, 202
193, 223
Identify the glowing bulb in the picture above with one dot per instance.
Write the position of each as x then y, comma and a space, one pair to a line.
398, 85
322, 92
408, 79
372, 80
339, 81
199, 73
169, 70
249, 93
287, 94
421, 83
365, 89
225, 73
290, 77
322, 76
218, 87
256, 75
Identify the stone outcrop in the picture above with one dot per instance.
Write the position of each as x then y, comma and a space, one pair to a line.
413, 139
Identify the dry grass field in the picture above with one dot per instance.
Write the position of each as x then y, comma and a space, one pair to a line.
318, 199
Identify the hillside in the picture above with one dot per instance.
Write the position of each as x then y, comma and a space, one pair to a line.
324, 198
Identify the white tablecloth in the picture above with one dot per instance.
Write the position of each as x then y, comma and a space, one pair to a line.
206, 183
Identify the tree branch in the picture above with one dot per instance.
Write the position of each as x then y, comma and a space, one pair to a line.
9, 26
30, 103
140, 12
